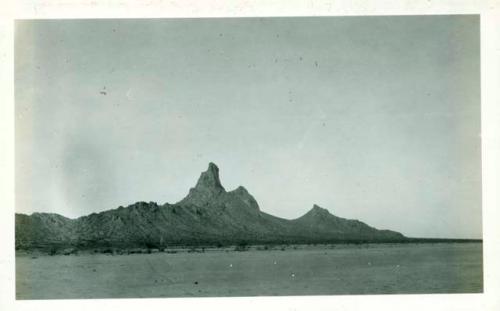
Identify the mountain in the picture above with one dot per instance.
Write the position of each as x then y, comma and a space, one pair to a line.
207, 215
320, 223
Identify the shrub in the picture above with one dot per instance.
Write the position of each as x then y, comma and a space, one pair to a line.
242, 246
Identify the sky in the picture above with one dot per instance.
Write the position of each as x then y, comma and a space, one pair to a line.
372, 118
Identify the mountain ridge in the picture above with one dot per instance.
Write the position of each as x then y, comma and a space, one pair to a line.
207, 215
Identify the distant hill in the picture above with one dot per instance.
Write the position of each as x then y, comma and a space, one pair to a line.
208, 215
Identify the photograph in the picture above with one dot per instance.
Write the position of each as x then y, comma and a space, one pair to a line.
247, 156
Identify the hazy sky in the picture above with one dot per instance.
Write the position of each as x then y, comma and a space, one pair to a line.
373, 118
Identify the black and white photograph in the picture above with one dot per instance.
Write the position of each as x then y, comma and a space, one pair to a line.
247, 154
247, 157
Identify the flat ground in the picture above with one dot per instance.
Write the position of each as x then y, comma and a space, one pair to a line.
320, 270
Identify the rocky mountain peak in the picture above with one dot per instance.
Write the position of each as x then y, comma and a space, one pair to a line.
242, 194
207, 187
209, 179
241, 190
318, 210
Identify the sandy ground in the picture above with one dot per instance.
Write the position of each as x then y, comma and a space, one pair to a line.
364, 269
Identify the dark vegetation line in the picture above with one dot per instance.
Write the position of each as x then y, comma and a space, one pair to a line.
172, 248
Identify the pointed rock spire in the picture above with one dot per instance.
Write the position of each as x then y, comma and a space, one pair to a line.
210, 179
207, 187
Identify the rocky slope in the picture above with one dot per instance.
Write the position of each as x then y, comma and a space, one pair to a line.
208, 215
